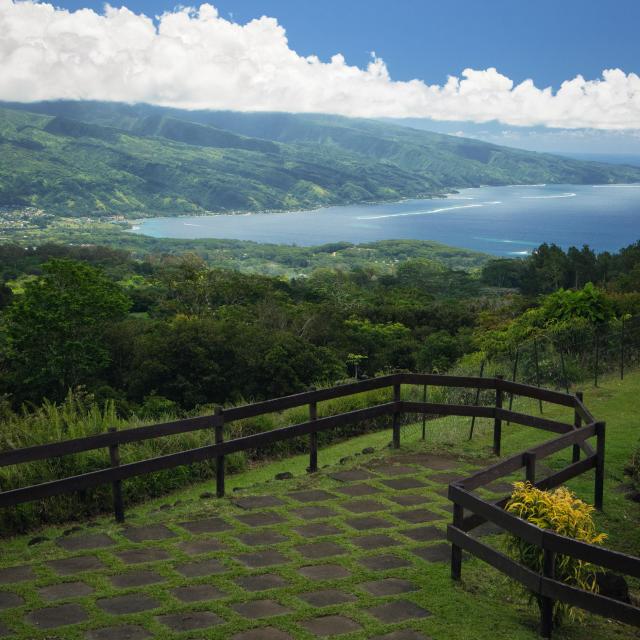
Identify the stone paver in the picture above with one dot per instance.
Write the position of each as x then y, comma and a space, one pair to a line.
362, 506
200, 568
410, 499
398, 611
258, 538
434, 553
258, 502
198, 547
311, 495
190, 620
316, 529
417, 515
352, 475
263, 519
209, 525
197, 593
10, 600
315, 550
374, 541
53, 617
404, 634
135, 579
122, 632
314, 513
424, 534
65, 590
445, 477
262, 558
400, 484
388, 587
4, 630
138, 556
261, 582
16, 574
264, 633
71, 566
131, 603
369, 522
324, 572
356, 490
428, 461
88, 541
395, 470
384, 562
148, 532
326, 597
260, 609
329, 626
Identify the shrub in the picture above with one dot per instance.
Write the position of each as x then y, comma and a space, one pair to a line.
561, 511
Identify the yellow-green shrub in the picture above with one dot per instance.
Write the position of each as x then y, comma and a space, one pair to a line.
560, 511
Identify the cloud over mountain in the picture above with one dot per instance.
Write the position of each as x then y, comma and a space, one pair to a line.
194, 58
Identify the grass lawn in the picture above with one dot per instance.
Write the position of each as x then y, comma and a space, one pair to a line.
360, 554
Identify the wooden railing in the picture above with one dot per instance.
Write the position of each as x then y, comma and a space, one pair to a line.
573, 435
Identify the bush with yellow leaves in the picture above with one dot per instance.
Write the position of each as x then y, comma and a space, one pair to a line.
562, 512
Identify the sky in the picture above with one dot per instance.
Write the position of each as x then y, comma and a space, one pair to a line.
563, 71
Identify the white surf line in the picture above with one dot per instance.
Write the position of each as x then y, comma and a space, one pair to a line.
505, 241
191, 224
527, 185
493, 202
616, 186
418, 213
561, 195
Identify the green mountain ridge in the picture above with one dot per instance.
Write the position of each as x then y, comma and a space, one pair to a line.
97, 158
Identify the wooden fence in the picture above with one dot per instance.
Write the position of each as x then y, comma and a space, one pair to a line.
574, 434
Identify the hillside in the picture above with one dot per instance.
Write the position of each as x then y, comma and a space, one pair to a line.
88, 158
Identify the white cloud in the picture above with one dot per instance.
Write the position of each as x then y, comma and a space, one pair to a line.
198, 59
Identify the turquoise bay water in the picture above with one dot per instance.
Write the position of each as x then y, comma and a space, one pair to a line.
505, 221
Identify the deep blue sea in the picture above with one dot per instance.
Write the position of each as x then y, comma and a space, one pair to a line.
507, 221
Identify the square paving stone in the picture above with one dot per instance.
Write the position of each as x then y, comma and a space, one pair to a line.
400, 484
370, 522
262, 582
326, 597
262, 558
398, 611
131, 603
434, 553
148, 532
311, 495
395, 470
503, 488
198, 547
257, 538
316, 529
4, 630
329, 626
138, 556
362, 506
263, 519
265, 633
410, 499
209, 525
384, 562
201, 568
135, 579
16, 574
69, 566
89, 541
424, 534
356, 490
313, 513
352, 475
317, 550
10, 600
404, 634
65, 590
486, 529
388, 587
197, 593
374, 541
417, 515
258, 502
446, 477
52, 617
190, 620
429, 461
260, 609
324, 572
123, 632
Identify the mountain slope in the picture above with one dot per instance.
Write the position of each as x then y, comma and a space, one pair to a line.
92, 158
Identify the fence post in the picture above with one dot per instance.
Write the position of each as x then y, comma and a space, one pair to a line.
515, 374
456, 552
116, 485
219, 459
497, 423
599, 482
535, 349
564, 371
313, 439
546, 604
529, 459
396, 415
473, 418
577, 422
424, 415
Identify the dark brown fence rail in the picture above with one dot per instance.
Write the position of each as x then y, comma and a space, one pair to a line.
573, 435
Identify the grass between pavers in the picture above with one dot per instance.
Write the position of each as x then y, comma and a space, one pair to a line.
483, 605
